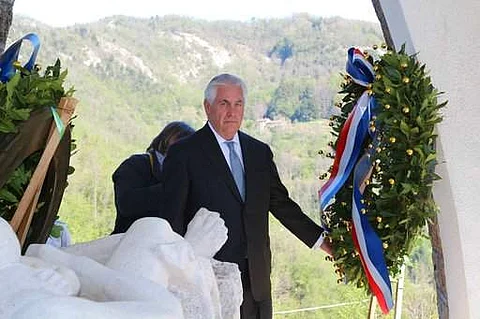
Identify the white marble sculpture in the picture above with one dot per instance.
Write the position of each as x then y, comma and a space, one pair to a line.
148, 272
35, 288
229, 284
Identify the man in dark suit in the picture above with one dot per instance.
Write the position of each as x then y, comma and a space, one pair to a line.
227, 171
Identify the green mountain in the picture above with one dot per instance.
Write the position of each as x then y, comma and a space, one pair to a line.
165, 62
132, 76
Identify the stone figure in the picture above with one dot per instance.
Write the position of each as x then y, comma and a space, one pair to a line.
35, 288
150, 271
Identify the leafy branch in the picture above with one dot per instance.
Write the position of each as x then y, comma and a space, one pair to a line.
24, 92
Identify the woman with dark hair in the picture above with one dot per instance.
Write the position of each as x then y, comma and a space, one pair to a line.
137, 181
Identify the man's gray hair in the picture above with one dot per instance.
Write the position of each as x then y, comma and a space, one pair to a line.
224, 79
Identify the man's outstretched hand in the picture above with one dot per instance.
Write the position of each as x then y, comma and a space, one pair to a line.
327, 247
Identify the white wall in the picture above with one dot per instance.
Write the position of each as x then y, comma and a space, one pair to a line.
446, 33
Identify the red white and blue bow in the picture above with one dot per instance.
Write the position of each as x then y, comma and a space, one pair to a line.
347, 159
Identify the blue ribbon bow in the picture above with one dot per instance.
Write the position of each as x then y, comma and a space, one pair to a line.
10, 55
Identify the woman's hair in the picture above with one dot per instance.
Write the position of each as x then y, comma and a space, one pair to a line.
223, 79
171, 133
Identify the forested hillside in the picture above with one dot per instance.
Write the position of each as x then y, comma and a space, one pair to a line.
132, 76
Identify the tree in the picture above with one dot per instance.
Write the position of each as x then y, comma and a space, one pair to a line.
6, 7
283, 50
307, 110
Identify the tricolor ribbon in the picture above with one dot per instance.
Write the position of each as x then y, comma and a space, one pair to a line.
347, 159
10, 55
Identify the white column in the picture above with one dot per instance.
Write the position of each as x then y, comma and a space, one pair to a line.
445, 34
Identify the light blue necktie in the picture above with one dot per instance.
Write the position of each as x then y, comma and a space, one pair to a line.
236, 168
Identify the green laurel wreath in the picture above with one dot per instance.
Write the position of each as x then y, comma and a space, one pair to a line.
24, 92
398, 196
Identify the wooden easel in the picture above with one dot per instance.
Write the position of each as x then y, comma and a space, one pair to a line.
22, 218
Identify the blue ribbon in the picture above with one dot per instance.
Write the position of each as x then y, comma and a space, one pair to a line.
10, 55
359, 68
361, 73
361, 171
373, 244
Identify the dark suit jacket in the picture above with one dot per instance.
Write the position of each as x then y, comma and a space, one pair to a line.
197, 175
138, 190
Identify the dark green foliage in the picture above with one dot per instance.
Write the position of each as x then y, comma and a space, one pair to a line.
27, 91
282, 50
306, 111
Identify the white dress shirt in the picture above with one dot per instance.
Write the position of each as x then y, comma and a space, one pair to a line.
224, 147
225, 151
160, 159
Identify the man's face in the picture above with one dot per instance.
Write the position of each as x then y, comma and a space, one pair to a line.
226, 112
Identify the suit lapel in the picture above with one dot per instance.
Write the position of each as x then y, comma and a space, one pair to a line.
219, 164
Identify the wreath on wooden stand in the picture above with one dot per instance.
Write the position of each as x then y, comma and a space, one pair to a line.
378, 197
35, 142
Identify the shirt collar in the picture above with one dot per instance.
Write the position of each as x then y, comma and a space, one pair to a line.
160, 158
220, 139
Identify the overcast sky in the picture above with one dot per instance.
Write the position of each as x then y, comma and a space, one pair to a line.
68, 12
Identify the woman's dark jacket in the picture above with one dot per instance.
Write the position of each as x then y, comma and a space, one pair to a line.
138, 190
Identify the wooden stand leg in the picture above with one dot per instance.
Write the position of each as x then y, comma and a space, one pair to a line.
25, 224
399, 294
371, 307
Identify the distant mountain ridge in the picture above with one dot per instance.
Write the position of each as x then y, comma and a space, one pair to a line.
168, 55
